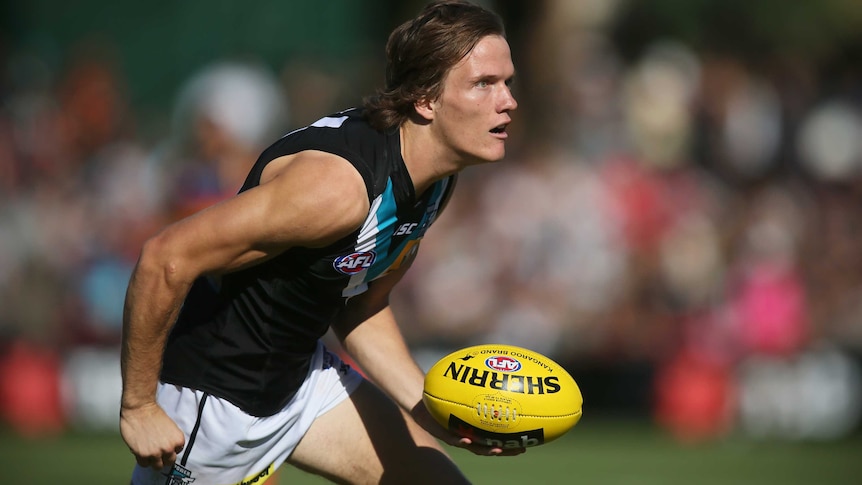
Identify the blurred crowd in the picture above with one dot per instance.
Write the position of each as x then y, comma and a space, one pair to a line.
686, 211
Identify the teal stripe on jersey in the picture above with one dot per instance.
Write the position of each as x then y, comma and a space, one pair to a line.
386, 258
374, 237
376, 234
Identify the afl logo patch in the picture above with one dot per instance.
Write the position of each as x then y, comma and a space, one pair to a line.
354, 262
503, 364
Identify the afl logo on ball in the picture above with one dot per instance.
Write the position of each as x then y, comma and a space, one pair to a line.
503, 364
354, 262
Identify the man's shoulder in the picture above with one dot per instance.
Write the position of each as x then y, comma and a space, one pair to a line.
348, 129
350, 119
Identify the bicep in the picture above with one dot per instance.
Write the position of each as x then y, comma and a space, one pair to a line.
315, 200
221, 238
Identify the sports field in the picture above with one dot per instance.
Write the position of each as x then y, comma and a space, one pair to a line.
595, 452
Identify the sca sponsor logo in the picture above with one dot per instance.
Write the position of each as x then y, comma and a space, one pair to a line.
406, 229
503, 363
354, 262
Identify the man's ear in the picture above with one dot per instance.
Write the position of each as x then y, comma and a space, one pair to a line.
424, 108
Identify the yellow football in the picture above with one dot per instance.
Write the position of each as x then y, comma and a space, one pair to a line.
502, 395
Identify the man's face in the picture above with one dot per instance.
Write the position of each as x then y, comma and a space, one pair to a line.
472, 112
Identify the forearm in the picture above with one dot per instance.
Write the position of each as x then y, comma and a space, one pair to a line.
151, 307
380, 351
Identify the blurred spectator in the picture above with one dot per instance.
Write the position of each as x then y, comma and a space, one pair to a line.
677, 199
829, 143
72, 140
224, 116
695, 397
30, 390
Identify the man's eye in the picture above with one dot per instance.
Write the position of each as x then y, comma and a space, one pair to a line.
482, 84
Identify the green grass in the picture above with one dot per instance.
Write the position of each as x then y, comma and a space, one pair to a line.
595, 452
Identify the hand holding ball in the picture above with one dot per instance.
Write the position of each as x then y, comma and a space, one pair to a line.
502, 395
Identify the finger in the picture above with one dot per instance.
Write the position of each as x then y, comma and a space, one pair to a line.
476, 449
482, 450
169, 458
512, 452
486, 451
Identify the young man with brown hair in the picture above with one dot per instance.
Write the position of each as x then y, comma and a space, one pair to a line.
224, 375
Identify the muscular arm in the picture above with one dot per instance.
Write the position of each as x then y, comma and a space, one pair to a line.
308, 199
369, 333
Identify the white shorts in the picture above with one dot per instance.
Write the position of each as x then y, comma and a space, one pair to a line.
226, 446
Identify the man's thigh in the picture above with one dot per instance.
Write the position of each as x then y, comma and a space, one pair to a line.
369, 439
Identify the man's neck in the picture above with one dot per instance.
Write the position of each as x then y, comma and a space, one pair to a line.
426, 157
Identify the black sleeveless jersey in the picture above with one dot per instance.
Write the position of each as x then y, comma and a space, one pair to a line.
248, 336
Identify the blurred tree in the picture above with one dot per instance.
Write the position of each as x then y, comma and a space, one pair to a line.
161, 43
745, 29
